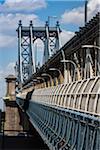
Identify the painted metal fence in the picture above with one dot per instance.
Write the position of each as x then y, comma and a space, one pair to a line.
67, 116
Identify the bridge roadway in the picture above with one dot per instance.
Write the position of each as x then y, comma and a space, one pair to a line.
66, 116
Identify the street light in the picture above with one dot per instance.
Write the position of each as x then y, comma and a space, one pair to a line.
63, 57
70, 61
97, 65
30, 83
48, 75
56, 69
40, 78
35, 80
90, 46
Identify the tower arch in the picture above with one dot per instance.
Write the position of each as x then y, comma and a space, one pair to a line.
26, 55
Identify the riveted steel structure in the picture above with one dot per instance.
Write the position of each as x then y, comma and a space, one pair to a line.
26, 38
67, 115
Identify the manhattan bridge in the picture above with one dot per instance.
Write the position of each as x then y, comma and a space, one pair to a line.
61, 97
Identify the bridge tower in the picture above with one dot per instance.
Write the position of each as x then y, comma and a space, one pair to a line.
11, 111
26, 54
11, 85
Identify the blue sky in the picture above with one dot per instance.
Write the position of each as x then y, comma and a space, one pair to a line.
69, 13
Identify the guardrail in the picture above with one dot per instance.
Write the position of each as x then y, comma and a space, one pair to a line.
81, 96
63, 129
67, 116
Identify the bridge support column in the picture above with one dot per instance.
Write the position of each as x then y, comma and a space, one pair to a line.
11, 112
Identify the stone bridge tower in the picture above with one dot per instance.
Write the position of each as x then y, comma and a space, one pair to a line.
11, 83
12, 118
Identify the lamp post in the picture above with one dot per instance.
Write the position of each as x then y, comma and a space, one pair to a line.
48, 75
35, 80
56, 69
97, 59
40, 78
69, 61
65, 71
90, 46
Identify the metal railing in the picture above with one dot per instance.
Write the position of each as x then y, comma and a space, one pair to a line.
67, 116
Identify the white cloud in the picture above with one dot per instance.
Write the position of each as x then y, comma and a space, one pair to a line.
13, 1
10, 68
76, 15
94, 5
9, 24
15, 6
2, 83
39, 45
66, 36
6, 40
4, 72
10, 21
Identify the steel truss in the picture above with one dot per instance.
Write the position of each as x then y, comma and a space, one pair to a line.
26, 54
